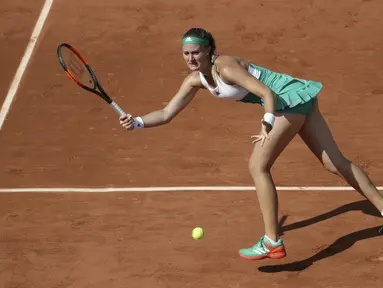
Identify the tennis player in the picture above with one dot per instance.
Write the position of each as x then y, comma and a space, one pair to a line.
291, 108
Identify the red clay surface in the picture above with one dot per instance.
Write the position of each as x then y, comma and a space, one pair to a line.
57, 135
144, 240
17, 19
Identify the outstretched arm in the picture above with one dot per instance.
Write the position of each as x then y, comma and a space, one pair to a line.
185, 94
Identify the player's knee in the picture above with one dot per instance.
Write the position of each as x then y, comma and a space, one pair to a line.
337, 165
258, 166
330, 167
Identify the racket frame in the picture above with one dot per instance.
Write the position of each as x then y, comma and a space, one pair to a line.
102, 93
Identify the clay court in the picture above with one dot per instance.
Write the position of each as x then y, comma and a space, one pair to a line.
58, 136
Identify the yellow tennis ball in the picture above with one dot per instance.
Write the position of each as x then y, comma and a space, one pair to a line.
197, 233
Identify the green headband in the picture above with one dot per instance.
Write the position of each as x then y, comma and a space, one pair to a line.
195, 40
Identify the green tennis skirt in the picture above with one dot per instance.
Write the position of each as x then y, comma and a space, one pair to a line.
294, 95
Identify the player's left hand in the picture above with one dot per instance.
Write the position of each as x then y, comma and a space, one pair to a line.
264, 134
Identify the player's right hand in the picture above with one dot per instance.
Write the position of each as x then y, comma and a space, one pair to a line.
127, 122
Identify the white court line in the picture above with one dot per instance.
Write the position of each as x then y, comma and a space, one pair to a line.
167, 189
24, 61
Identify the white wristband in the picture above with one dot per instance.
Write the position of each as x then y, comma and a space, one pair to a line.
138, 123
269, 118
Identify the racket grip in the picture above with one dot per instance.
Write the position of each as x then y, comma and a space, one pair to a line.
118, 109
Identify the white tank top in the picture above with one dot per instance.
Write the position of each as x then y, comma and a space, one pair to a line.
226, 91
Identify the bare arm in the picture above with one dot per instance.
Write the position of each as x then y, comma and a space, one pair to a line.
233, 73
183, 97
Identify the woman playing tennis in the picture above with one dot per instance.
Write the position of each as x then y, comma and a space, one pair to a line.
291, 108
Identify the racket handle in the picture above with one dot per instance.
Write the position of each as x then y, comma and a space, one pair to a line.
118, 109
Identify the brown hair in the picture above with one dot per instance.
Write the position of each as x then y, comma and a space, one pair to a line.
203, 34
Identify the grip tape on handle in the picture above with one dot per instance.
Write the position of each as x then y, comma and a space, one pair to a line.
118, 109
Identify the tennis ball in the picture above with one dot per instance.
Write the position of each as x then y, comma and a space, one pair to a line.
197, 233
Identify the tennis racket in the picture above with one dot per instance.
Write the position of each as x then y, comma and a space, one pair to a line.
78, 69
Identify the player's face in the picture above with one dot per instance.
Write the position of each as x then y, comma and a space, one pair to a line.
196, 56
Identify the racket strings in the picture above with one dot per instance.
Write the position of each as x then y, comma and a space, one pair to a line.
76, 67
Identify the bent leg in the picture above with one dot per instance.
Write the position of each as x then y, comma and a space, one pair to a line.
285, 128
262, 158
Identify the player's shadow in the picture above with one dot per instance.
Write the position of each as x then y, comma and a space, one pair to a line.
338, 246
364, 206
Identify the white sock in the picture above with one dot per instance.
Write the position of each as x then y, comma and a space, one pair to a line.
271, 240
